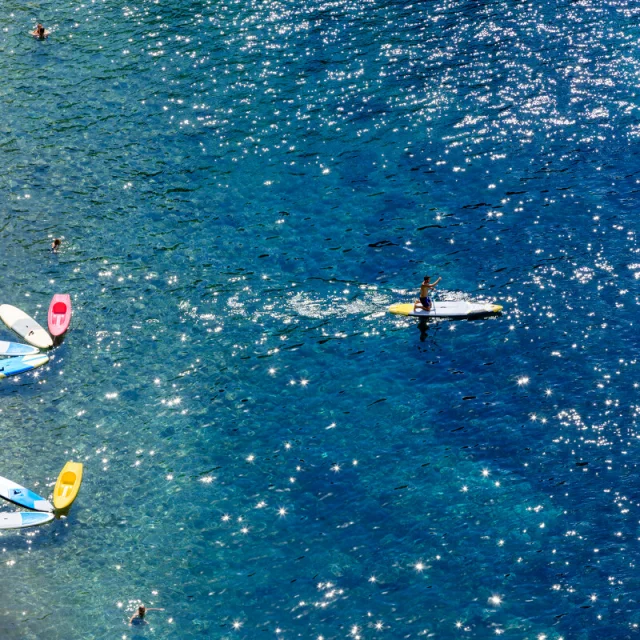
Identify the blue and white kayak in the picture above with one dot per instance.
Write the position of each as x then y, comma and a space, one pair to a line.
19, 520
13, 492
16, 349
21, 364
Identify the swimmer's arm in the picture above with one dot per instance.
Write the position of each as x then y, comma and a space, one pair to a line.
436, 282
154, 609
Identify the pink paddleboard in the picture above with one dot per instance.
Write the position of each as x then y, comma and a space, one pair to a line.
59, 314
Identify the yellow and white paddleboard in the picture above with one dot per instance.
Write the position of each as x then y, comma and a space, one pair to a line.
447, 309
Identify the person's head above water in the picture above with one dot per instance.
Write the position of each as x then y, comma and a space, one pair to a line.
40, 31
138, 618
427, 278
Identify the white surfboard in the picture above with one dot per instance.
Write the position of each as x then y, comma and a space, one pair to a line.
16, 349
447, 309
22, 496
19, 520
25, 326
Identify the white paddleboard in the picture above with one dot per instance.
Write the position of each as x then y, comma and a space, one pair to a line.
447, 309
16, 349
25, 326
19, 520
22, 496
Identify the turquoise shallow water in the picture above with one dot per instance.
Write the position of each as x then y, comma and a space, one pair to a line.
243, 189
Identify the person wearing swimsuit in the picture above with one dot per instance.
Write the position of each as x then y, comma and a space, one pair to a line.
425, 301
40, 32
138, 618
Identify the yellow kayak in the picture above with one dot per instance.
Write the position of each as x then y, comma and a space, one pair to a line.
67, 485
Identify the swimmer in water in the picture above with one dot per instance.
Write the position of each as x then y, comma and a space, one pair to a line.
138, 618
55, 245
40, 32
425, 302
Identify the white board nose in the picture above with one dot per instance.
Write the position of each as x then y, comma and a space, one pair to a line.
43, 505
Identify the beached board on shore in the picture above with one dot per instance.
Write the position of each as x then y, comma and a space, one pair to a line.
447, 309
21, 364
25, 326
16, 349
22, 496
19, 520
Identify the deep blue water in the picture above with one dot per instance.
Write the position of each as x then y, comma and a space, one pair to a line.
243, 188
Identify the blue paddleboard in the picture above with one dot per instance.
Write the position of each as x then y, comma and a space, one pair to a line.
16, 349
15, 366
13, 492
18, 520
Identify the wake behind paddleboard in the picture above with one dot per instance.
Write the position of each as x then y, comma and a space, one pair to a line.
19, 520
447, 309
25, 326
18, 494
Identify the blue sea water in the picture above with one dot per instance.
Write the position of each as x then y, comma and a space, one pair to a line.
242, 189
